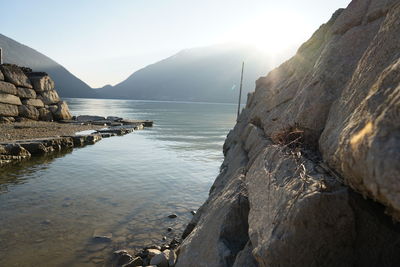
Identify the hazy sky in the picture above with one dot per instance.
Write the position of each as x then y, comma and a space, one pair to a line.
103, 42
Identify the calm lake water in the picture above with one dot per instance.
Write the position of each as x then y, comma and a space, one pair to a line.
126, 186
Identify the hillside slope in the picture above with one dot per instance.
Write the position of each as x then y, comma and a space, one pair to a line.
67, 84
311, 170
206, 74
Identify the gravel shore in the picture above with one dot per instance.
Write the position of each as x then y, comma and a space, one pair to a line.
40, 129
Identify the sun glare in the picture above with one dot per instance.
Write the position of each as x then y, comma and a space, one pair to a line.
272, 33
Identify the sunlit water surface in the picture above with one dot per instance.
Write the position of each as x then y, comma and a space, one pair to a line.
50, 207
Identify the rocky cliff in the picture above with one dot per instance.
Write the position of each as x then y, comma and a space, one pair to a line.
311, 170
29, 95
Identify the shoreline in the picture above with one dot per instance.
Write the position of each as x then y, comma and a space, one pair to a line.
22, 140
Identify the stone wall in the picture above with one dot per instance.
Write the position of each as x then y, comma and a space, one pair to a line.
27, 95
311, 175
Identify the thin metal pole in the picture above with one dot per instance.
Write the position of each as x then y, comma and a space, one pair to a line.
240, 92
1, 55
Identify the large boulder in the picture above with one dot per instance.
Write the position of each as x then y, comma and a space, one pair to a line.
38, 103
8, 88
321, 125
26, 92
62, 112
15, 75
341, 90
10, 99
49, 97
289, 203
29, 112
8, 110
361, 140
41, 81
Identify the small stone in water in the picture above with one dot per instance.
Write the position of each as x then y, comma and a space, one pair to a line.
193, 212
101, 236
164, 238
46, 222
169, 229
172, 216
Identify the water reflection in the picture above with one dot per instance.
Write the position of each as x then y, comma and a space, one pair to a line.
125, 186
19, 172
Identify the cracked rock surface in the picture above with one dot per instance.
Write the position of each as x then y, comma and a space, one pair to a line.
311, 174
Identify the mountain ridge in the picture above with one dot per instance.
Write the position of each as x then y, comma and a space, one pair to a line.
67, 84
201, 74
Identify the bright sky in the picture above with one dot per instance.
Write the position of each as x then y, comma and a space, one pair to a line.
103, 42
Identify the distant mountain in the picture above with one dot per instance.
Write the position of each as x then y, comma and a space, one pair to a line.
208, 74
67, 84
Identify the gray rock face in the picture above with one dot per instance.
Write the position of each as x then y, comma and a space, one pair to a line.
1, 76
8, 88
8, 110
26, 92
290, 203
341, 90
49, 97
323, 124
10, 99
29, 112
15, 75
361, 140
41, 81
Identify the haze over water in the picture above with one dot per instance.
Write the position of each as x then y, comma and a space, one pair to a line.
127, 186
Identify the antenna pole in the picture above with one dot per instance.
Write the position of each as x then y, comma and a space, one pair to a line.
1, 55
240, 93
